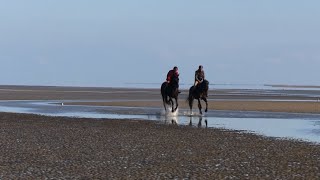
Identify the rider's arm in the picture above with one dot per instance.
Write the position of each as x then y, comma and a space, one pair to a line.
196, 76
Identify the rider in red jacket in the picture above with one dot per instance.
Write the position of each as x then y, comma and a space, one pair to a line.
174, 73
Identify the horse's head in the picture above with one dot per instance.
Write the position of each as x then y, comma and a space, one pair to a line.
175, 80
173, 87
203, 86
206, 84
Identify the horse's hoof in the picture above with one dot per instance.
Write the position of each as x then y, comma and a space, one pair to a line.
206, 110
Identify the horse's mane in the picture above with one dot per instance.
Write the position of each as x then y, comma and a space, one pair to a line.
174, 84
202, 87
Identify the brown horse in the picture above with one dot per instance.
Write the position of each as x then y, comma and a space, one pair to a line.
169, 91
199, 92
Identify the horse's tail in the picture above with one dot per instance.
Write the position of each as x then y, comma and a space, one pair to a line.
163, 93
190, 97
165, 99
206, 88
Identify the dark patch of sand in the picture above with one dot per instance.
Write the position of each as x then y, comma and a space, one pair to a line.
39, 147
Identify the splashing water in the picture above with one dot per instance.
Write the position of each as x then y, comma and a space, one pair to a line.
170, 117
192, 113
168, 113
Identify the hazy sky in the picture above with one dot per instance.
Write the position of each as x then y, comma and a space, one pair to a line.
111, 42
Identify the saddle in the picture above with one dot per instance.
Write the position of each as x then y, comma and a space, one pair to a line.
202, 87
174, 84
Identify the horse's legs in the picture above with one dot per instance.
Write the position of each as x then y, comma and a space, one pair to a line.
205, 100
190, 104
170, 100
176, 104
164, 99
199, 106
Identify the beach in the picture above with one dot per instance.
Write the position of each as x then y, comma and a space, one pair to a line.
81, 98
292, 101
45, 147
40, 147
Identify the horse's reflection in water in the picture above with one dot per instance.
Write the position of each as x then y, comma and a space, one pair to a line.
171, 120
199, 122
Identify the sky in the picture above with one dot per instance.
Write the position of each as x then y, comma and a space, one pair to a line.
115, 42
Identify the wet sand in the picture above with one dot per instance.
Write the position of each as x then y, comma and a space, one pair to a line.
39, 147
240, 100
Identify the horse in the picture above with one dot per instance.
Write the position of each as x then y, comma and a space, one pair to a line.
170, 91
199, 92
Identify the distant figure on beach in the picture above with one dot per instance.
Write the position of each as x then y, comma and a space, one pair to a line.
173, 74
199, 76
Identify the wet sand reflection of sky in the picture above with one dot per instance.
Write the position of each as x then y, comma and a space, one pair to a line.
297, 126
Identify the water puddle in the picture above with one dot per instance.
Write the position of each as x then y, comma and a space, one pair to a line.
282, 125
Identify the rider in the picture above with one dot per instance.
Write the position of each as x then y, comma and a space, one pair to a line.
173, 73
199, 76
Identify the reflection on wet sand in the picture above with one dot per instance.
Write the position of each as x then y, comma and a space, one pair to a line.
199, 121
300, 126
170, 117
171, 120
174, 119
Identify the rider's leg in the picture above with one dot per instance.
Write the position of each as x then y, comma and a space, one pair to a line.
178, 89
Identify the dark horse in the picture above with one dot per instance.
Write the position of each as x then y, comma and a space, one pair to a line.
169, 91
199, 92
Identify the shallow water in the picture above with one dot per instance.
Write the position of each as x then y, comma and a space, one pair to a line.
283, 125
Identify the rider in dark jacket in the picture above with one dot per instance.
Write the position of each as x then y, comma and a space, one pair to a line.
199, 76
